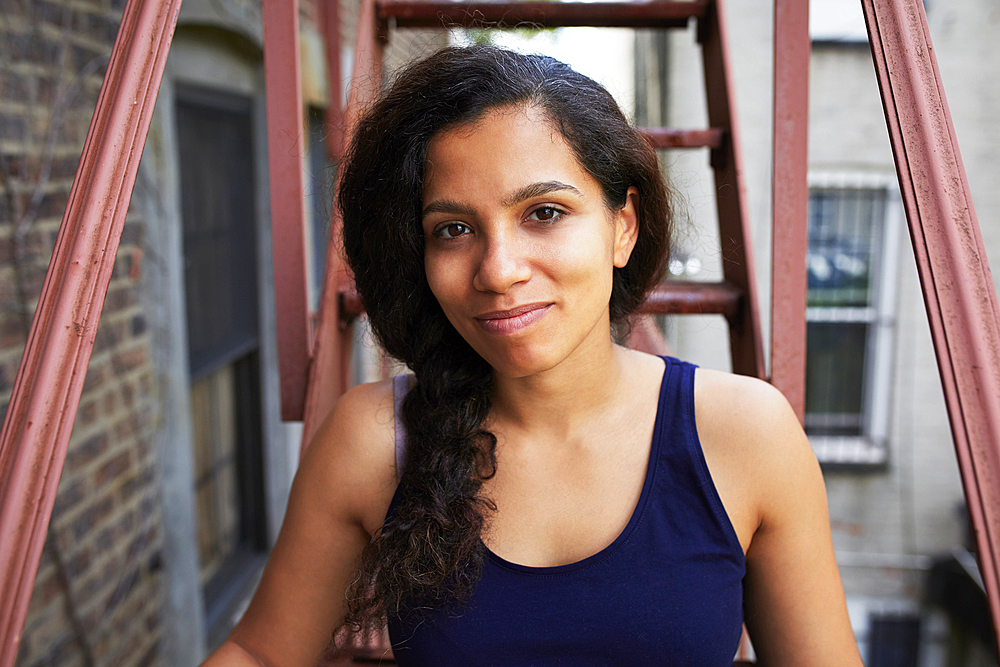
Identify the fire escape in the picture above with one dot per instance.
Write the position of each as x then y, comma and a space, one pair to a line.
314, 348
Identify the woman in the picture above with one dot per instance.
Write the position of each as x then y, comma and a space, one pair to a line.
542, 495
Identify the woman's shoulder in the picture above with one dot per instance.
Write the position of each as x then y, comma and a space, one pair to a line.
748, 429
352, 456
741, 405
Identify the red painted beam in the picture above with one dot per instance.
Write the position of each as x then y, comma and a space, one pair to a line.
951, 261
331, 369
664, 137
790, 191
285, 146
334, 116
47, 390
444, 13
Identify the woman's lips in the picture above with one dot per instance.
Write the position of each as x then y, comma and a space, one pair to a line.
506, 322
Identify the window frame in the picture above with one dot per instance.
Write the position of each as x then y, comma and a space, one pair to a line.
871, 447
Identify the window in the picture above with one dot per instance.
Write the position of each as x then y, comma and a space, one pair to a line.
853, 244
215, 139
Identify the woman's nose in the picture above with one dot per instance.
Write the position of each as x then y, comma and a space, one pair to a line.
503, 265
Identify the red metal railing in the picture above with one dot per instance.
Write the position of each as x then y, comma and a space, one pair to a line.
330, 373
954, 272
735, 234
49, 381
790, 199
438, 13
285, 146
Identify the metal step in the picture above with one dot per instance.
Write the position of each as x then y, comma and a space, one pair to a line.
672, 297
665, 137
679, 297
438, 13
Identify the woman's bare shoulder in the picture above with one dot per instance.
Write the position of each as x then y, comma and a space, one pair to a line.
749, 430
342, 489
766, 470
749, 413
351, 459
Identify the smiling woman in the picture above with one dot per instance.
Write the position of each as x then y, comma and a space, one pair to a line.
520, 244
535, 494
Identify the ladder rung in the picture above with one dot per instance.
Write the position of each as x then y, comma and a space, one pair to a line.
665, 137
673, 297
436, 13
677, 297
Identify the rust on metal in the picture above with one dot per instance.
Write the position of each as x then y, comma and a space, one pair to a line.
443, 13
665, 137
951, 261
350, 303
790, 201
47, 390
285, 132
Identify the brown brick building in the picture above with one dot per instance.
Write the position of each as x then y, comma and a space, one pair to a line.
179, 466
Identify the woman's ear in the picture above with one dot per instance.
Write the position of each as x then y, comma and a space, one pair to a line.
626, 227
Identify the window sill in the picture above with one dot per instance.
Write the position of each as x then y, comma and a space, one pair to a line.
852, 451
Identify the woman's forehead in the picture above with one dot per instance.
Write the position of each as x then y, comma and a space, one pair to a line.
501, 152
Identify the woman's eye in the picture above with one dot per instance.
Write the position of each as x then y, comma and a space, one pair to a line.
545, 214
452, 230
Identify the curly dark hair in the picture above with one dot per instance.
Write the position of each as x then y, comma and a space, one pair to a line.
429, 552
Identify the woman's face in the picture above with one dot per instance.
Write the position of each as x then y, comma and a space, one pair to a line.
519, 244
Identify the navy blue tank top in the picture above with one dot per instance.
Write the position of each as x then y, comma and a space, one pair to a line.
667, 591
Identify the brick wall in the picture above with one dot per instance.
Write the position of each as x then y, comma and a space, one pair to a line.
96, 599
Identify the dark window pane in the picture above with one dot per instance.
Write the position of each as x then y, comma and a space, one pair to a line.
835, 365
894, 641
219, 235
217, 209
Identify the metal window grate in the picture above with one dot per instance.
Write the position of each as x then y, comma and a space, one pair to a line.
217, 209
844, 268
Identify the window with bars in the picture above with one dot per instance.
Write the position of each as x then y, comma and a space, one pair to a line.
851, 278
215, 144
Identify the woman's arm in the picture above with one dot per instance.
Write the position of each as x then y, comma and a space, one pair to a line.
793, 598
340, 494
795, 608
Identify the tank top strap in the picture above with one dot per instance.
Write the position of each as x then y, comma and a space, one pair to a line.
400, 387
681, 464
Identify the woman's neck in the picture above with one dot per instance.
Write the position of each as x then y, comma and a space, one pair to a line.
559, 402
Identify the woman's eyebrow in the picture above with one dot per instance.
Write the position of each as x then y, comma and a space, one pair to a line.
447, 206
537, 190
453, 207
